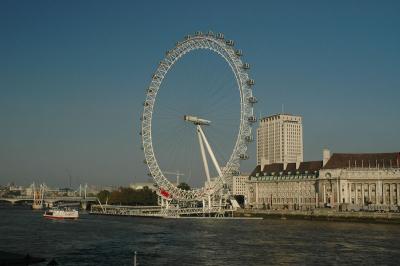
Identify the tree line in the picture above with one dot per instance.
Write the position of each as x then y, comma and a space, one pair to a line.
134, 197
129, 196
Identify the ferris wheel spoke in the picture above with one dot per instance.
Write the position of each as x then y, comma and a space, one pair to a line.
173, 152
221, 137
164, 138
219, 152
217, 89
169, 110
217, 104
218, 95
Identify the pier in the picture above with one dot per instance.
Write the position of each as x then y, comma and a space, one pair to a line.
157, 211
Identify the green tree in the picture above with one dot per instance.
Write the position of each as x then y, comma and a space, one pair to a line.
134, 197
184, 186
103, 196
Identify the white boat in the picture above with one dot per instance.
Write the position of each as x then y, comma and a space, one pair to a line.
61, 214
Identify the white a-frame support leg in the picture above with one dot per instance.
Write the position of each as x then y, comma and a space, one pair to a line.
202, 138
203, 155
202, 141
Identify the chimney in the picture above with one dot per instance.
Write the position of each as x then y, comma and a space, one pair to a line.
326, 155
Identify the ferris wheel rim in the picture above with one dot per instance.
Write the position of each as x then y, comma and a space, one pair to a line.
218, 45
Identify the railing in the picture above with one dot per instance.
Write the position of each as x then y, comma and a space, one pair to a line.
155, 211
126, 210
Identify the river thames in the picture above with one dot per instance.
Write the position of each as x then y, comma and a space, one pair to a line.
106, 240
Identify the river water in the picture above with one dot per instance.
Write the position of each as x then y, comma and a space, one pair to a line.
107, 240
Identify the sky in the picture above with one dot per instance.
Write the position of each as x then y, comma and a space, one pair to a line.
73, 76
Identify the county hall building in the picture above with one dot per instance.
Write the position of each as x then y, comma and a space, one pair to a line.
345, 181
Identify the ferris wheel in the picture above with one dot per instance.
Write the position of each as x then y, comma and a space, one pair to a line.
224, 48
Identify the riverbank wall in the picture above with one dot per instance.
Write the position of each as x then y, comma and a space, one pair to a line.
323, 215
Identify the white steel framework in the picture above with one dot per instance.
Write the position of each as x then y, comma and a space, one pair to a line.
217, 44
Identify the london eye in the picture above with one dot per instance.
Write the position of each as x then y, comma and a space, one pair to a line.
199, 124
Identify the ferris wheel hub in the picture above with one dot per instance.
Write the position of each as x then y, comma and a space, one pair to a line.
196, 120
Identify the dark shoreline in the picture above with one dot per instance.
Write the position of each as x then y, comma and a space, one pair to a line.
323, 215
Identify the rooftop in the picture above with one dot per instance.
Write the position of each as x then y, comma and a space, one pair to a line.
365, 160
277, 116
278, 169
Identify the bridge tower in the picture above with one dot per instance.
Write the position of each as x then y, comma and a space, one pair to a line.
83, 201
38, 196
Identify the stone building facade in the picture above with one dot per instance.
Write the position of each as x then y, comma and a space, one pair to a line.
280, 186
369, 181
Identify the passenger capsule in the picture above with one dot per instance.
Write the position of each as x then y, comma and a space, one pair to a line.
243, 156
250, 82
230, 43
252, 119
246, 66
252, 99
198, 33
210, 33
249, 138
144, 161
239, 52
187, 37
235, 173
220, 36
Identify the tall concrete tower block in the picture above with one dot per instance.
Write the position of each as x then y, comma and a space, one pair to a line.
280, 139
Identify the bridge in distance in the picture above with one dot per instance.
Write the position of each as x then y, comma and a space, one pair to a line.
49, 200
